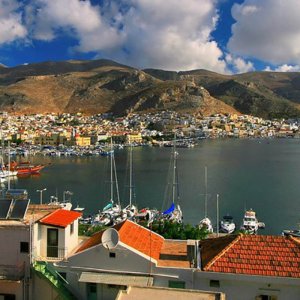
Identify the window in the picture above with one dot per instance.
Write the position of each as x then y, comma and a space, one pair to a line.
266, 297
72, 228
177, 284
112, 254
7, 297
214, 283
91, 289
24, 247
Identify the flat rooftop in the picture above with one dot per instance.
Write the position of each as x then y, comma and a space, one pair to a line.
34, 213
174, 254
150, 293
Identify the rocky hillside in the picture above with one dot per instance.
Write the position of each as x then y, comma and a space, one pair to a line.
105, 86
264, 94
98, 86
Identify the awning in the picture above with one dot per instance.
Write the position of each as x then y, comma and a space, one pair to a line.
116, 279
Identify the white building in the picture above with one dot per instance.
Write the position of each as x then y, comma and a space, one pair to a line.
241, 266
28, 234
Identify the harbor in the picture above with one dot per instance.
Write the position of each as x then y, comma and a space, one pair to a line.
258, 174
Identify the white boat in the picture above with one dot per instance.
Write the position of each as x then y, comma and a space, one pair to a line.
130, 210
206, 222
112, 212
67, 205
293, 232
250, 223
227, 225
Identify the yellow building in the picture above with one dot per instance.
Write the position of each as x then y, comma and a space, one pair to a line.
134, 138
53, 139
83, 141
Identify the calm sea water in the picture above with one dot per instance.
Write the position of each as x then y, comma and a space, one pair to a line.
259, 174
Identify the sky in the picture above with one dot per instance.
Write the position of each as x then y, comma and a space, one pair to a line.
225, 36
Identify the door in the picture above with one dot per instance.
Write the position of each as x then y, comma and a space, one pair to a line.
52, 242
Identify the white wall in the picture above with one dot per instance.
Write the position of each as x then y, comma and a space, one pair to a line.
43, 242
71, 240
98, 258
10, 254
65, 239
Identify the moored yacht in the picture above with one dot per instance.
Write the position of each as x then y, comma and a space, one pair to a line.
206, 224
250, 222
227, 225
292, 232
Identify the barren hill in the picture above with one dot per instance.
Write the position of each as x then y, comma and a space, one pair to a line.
98, 86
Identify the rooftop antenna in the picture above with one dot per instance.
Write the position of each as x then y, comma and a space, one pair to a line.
110, 238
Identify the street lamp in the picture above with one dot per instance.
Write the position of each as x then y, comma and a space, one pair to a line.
41, 194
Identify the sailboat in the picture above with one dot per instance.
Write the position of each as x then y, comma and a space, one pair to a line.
130, 210
206, 222
111, 213
174, 213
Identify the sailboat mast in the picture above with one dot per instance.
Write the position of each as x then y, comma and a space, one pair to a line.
8, 168
130, 176
218, 215
111, 172
174, 169
205, 205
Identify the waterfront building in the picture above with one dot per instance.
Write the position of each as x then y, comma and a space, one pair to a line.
31, 236
134, 137
254, 267
82, 141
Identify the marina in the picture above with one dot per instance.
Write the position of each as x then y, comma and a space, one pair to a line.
261, 174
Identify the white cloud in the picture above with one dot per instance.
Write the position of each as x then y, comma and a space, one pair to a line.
284, 68
166, 34
10, 22
268, 30
238, 64
79, 19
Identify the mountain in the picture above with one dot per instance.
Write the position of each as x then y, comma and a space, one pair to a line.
263, 94
98, 86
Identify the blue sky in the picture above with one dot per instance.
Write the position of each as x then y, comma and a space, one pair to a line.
226, 36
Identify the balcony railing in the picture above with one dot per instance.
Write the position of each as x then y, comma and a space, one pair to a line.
12, 272
56, 253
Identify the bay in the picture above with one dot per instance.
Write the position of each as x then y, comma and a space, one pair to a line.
246, 173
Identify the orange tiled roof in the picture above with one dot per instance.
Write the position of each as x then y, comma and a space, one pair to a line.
258, 255
60, 218
140, 238
134, 236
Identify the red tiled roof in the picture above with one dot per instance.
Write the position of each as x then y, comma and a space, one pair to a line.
258, 255
134, 236
140, 238
61, 218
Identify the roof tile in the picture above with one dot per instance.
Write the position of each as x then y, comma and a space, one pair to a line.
257, 255
60, 218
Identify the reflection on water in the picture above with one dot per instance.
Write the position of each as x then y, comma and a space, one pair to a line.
259, 174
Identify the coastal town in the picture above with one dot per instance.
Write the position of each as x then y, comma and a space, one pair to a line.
149, 128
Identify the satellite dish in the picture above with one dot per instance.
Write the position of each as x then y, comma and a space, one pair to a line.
110, 238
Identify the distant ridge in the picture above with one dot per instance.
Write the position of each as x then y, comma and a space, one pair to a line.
97, 86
